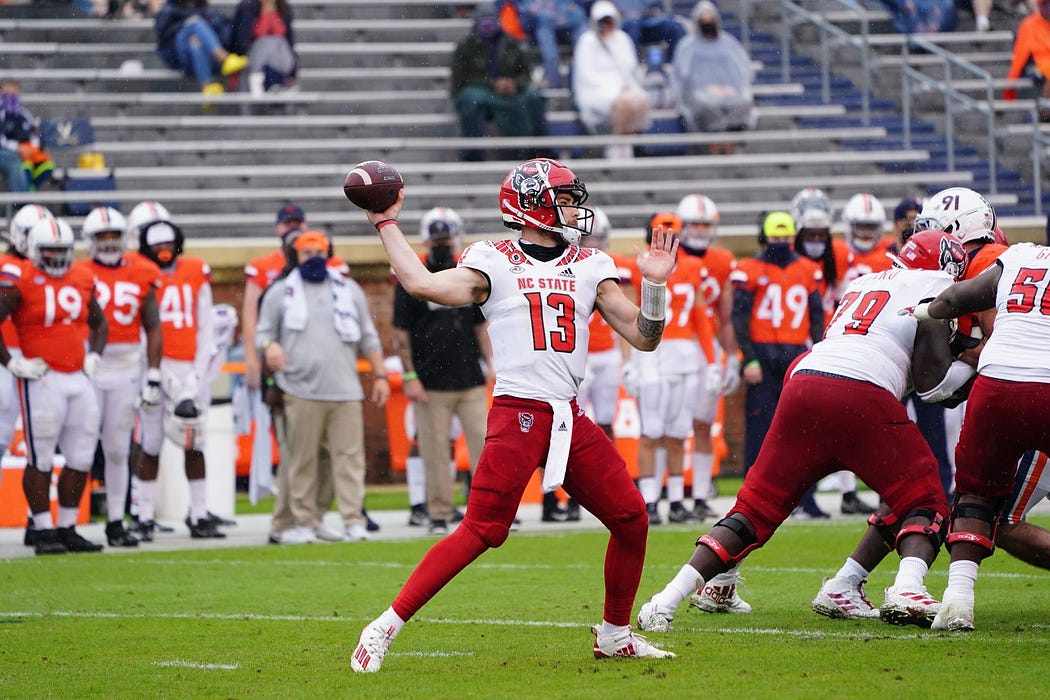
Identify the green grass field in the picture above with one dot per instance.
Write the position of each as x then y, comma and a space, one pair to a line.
280, 622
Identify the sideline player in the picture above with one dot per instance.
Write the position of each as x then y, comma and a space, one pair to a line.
538, 293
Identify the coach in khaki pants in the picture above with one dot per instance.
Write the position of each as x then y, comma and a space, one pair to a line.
313, 324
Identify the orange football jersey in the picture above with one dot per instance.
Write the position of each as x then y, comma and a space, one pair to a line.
717, 263
875, 260
780, 313
603, 337
11, 271
687, 317
177, 296
120, 291
51, 318
979, 261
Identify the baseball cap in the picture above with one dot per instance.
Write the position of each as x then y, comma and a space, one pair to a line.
311, 239
778, 224
290, 212
904, 206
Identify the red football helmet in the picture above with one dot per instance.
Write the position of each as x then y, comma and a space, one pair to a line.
528, 196
1000, 236
934, 250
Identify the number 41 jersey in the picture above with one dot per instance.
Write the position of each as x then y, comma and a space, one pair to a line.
867, 338
538, 315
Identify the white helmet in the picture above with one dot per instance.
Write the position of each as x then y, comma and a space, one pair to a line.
961, 212
105, 220
440, 222
21, 223
601, 230
700, 219
144, 214
49, 246
809, 198
865, 219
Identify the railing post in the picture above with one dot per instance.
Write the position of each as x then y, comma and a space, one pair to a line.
825, 66
785, 43
906, 93
993, 149
949, 116
1037, 162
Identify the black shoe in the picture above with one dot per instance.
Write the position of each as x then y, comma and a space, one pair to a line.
204, 529
417, 517
457, 515
702, 511
437, 527
572, 511
273, 538
145, 530
47, 542
220, 521
370, 525
117, 536
852, 505
554, 515
74, 542
679, 514
29, 539
654, 514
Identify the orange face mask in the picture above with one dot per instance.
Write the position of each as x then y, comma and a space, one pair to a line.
165, 256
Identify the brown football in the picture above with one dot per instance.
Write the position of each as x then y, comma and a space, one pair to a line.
373, 185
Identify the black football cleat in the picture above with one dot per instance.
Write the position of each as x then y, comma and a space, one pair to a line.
47, 542
118, 536
370, 525
74, 542
29, 539
204, 529
146, 530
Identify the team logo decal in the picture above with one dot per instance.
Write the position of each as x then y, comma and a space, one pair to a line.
952, 257
529, 181
525, 421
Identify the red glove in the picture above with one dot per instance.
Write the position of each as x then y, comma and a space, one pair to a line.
1010, 94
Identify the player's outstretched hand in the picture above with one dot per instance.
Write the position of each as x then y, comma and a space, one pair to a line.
656, 263
392, 212
921, 312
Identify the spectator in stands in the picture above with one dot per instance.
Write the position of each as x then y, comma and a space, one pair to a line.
311, 329
648, 22
926, 16
262, 31
549, 22
24, 164
191, 36
605, 81
711, 77
490, 80
1032, 44
904, 218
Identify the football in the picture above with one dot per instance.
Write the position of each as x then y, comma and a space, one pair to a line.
373, 185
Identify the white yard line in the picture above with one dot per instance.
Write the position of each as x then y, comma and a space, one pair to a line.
179, 663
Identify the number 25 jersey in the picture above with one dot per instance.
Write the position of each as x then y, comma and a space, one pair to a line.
538, 315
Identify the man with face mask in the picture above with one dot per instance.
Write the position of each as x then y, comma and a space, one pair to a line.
313, 324
22, 162
442, 351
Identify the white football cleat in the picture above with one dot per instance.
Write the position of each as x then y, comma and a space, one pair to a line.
371, 648
955, 615
909, 606
626, 644
720, 599
654, 618
841, 601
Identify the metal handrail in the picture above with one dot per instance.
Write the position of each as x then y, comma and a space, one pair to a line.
791, 14
952, 97
1040, 148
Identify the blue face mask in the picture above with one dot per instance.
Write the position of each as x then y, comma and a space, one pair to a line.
314, 269
778, 252
11, 102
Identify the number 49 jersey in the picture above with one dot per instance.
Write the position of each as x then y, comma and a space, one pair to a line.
538, 315
1019, 345
120, 291
867, 338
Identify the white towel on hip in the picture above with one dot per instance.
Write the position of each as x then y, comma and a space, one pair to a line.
561, 440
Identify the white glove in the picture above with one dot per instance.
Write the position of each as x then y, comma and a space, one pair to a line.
921, 312
149, 398
713, 381
91, 362
731, 380
631, 378
27, 368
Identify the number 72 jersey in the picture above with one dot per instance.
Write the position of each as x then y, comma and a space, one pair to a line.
538, 315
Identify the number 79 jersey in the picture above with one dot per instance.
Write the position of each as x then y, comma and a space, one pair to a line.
868, 339
538, 315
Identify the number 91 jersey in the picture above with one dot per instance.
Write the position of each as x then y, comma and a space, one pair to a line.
868, 338
51, 318
120, 291
538, 315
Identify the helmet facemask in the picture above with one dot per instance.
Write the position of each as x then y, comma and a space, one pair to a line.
54, 260
107, 250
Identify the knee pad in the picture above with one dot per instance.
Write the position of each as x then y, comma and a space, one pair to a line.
634, 528
932, 531
972, 510
491, 534
886, 525
742, 531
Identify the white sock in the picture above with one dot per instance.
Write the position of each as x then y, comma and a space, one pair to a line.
675, 488
684, 584
982, 23
852, 572
703, 463
847, 481
116, 489
133, 501
911, 574
727, 578
647, 487
416, 478
43, 521
659, 469
67, 517
609, 630
147, 500
962, 575
198, 500
390, 619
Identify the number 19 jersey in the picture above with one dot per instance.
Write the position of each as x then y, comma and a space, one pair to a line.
538, 315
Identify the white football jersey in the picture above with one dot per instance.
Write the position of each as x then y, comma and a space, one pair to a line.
867, 338
538, 314
1019, 346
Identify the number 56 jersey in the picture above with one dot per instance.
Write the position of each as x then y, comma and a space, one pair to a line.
867, 338
538, 315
